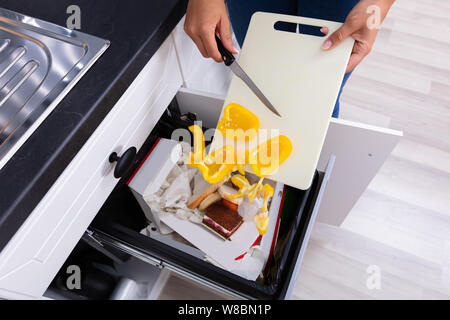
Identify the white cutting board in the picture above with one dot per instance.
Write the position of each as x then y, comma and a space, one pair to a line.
300, 79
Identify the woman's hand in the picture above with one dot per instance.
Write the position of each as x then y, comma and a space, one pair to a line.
362, 24
205, 18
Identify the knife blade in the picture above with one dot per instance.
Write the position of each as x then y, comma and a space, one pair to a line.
230, 61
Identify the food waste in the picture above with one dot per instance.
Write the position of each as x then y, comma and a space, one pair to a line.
228, 162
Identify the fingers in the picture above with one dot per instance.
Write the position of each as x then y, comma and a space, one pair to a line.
206, 42
355, 59
193, 34
361, 49
199, 43
324, 30
337, 37
225, 35
209, 42
358, 53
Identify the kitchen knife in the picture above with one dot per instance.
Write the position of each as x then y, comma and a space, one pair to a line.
230, 61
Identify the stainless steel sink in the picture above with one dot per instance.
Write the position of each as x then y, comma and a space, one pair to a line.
39, 63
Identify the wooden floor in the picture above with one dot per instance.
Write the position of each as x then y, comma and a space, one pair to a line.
402, 222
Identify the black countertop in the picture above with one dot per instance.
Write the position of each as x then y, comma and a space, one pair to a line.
136, 29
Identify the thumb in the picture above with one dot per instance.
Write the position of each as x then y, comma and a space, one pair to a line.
337, 37
225, 35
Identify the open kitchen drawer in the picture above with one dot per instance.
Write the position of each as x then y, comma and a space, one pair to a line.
116, 228
38, 250
116, 231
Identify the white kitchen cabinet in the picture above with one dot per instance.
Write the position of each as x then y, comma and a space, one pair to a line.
34, 255
36, 252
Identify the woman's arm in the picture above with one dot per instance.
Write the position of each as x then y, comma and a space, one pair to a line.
362, 24
205, 18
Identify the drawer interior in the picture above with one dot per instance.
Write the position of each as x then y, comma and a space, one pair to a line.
119, 222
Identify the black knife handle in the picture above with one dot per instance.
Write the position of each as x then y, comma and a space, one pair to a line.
227, 56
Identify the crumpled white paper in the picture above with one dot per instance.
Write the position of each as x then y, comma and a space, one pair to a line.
251, 264
175, 191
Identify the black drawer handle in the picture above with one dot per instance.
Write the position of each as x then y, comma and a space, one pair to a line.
124, 162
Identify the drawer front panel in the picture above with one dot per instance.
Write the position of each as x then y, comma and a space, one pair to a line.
295, 268
37, 251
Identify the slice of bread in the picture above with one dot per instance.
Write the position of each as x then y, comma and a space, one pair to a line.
209, 200
202, 193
